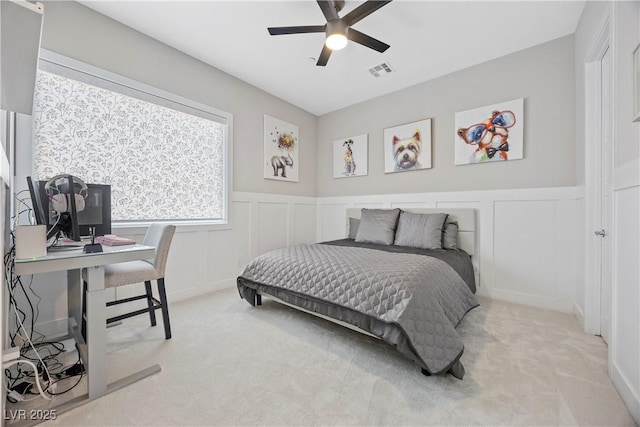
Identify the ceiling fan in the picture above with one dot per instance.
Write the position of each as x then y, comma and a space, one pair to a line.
337, 29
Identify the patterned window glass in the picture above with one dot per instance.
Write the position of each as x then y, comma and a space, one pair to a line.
161, 163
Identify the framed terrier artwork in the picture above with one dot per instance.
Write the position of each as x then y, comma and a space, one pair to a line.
407, 147
280, 150
490, 134
350, 156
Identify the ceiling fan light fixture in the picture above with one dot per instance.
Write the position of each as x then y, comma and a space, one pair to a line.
336, 35
336, 41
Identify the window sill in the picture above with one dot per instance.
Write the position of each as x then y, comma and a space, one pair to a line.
181, 226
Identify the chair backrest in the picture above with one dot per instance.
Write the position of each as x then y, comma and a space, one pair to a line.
159, 236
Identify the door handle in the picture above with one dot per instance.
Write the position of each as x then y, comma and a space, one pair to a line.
601, 233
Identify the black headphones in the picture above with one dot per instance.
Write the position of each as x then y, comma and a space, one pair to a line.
59, 200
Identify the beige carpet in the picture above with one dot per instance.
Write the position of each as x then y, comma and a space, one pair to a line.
232, 364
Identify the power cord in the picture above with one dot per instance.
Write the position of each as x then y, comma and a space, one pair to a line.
51, 370
28, 362
13, 281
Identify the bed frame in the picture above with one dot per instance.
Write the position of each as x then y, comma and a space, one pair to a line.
466, 219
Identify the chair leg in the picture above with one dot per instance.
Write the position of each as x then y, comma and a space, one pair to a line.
165, 308
152, 312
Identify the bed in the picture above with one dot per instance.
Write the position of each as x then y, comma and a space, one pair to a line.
390, 278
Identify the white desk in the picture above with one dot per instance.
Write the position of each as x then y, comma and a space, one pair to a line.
94, 350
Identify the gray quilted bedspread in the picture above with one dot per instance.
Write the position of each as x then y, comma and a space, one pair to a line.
421, 294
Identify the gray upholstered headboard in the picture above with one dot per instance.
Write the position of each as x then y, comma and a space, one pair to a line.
466, 219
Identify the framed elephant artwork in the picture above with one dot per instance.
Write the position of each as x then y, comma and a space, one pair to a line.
280, 150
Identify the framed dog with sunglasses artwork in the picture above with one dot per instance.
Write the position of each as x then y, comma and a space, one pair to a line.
490, 134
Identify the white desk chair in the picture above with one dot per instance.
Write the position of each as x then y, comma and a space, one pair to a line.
128, 273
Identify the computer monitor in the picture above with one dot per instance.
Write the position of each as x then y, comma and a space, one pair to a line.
97, 211
73, 224
40, 206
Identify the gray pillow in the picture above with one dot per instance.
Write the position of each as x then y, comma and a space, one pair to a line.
354, 224
420, 230
450, 235
378, 226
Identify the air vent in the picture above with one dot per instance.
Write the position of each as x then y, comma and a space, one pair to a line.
380, 70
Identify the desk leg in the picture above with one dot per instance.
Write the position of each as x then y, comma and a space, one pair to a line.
74, 298
96, 365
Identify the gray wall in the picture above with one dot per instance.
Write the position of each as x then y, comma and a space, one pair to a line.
78, 32
543, 75
539, 74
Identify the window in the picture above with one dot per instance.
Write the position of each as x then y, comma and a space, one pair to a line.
164, 159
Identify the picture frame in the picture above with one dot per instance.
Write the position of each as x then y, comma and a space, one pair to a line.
281, 147
493, 133
407, 147
636, 84
350, 156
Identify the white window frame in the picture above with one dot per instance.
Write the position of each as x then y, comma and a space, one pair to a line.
67, 67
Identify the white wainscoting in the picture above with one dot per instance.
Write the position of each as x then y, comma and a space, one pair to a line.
526, 243
526, 246
202, 259
624, 356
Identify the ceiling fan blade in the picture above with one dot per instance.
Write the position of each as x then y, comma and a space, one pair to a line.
277, 31
329, 12
362, 11
324, 56
365, 40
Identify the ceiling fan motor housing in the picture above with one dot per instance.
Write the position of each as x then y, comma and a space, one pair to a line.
336, 26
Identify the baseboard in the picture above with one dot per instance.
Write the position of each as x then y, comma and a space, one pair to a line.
629, 396
54, 328
196, 291
533, 300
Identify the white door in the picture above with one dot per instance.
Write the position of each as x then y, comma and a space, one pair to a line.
606, 182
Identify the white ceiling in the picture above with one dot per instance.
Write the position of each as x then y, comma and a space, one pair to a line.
428, 39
